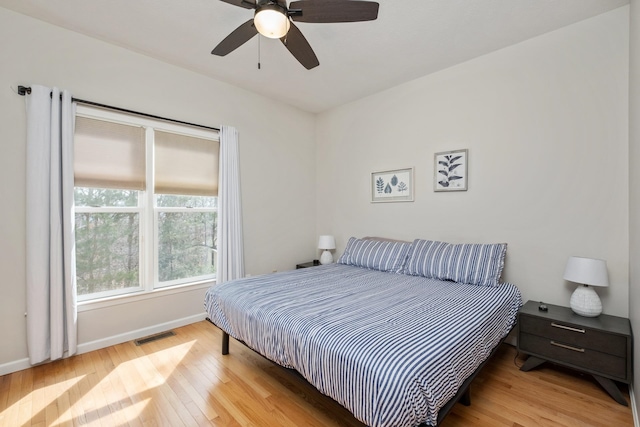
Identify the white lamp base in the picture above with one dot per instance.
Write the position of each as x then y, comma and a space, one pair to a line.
585, 302
326, 257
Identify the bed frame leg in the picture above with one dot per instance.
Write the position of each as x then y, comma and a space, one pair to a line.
225, 343
465, 399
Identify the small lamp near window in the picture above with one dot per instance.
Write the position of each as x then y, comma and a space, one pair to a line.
588, 272
327, 243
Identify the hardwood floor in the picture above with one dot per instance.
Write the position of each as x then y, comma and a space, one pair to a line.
184, 381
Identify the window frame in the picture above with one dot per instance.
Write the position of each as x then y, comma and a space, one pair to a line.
148, 211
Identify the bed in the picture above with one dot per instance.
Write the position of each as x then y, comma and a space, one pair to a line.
391, 332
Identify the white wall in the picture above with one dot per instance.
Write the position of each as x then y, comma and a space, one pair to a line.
546, 125
276, 144
634, 184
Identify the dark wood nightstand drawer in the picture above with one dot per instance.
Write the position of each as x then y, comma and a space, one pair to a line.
579, 356
575, 335
600, 346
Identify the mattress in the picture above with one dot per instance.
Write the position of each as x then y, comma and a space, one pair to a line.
391, 348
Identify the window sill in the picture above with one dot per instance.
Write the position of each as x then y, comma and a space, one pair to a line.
96, 304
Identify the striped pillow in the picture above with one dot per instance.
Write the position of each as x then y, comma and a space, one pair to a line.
375, 254
473, 264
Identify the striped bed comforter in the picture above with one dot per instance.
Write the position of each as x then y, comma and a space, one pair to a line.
391, 348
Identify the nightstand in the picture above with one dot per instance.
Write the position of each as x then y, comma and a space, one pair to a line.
600, 346
307, 264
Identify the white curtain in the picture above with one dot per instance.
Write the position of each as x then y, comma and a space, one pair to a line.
230, 246
51, 282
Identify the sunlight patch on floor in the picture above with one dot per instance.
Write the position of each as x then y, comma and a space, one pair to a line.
119, 395
140, 377
123, 416
38, 400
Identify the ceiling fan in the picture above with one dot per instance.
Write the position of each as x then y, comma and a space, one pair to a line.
273, 19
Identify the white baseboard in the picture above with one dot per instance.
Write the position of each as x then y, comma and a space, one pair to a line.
15, 366
133, 335
19, 365
634, 407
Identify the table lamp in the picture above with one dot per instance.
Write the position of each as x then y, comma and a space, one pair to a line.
327, 243
586, 271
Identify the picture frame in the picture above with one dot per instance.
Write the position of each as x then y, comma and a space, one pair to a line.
392, 186
450, 170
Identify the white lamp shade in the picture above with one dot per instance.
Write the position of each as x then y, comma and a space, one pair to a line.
586, 271
271, 22
326, 242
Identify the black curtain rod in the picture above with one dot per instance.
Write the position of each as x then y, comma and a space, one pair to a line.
23, 90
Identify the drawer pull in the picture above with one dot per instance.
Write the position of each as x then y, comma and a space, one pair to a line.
568, 347
568, 328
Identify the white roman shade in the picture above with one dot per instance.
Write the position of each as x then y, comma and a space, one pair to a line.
185, 165
109, 155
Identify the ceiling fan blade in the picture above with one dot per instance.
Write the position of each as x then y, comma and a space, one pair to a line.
247, 4
333, 11
300, 48
237, 38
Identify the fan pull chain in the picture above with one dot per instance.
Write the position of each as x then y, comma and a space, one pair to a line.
259, 51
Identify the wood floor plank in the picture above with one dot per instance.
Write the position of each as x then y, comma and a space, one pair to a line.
132, 385
110, 402
38, 396
154, 384
123, 405
54, 390
14, 387
184, 380
195, 399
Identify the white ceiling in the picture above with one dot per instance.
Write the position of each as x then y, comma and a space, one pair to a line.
410, 39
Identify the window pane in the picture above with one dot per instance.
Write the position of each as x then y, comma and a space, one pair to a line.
171, 201
186, 245
107, 252
99, 197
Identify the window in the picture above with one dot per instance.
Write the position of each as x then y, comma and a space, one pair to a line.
145, 204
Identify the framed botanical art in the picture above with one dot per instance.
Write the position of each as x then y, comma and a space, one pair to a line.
392, 186
450, 170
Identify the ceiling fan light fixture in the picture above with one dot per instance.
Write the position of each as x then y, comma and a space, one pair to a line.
271, 21
275, 19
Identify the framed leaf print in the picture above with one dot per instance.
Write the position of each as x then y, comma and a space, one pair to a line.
450, 171
392, 186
